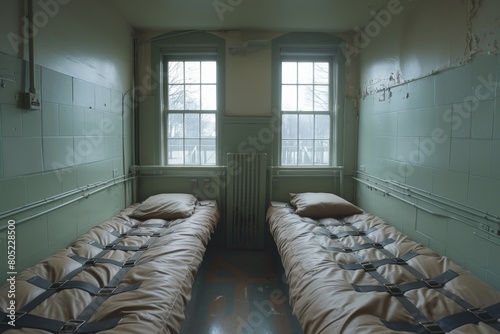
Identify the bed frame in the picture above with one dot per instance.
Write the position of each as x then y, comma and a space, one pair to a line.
357, 274
123, 276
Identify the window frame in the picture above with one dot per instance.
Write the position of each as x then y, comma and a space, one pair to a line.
186, 56
182, 44
299, 55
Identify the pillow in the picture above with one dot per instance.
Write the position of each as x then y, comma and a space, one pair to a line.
166, 206
322, 205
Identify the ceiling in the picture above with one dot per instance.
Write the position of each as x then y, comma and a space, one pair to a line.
270, 15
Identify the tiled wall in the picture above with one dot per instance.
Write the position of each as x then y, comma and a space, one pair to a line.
441, 134
73, 141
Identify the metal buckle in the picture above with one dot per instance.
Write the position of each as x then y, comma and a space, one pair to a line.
378, 245
57, 285
483, 315
71, 326
368, 266
432, 283
333, 236
109, 247
90, 262
156, 234
393, 289
107, 290
361, 233
123, 235
129, 263
399, 260
432, 328
347, 249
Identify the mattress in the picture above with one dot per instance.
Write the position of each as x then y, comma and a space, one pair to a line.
123, 276
357, 274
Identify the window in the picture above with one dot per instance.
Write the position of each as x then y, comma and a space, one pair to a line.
190, 106
306, 110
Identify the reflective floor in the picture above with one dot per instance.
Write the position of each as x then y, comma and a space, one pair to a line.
240, 292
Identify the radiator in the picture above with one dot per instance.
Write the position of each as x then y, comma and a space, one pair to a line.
246, 199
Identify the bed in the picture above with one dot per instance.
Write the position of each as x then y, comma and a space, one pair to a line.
131, 274
350, 272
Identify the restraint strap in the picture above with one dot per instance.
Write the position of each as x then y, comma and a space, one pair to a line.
488, 315
92, 289
347, 233
24, 320
369, 266
436, 282
478, 313
356, 248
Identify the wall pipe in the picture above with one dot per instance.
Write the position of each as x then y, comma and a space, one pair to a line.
31, 43
83, 196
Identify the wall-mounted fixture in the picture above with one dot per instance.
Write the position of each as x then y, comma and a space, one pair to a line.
6, 78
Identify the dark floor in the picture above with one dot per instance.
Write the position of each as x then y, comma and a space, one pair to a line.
240, 292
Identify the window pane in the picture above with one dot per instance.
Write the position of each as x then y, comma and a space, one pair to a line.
175, 125
208, 125
306, 127
192, 125
208, 97
305, 98
289, 73
176, 97
192, 69
306, 152
321, 73
322, 127
322, 152
208, 72
175, 151
207, 152
289, 98
289, 126
175, 72
192, 152
321, 98
305, 73
192, 97
289, 152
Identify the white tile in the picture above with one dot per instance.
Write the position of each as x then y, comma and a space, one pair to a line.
12, 121
56, 87
50, 119
83, 94
22, 156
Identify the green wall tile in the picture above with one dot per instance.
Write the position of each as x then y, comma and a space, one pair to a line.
482, 120
495, 162
435, 153
31, 237
42, 186
66, 116
113, 147
453, 85
366, 105
30, 161
484, 78
116, 102
450, 185
12, 193
399, 99
484, 194
56, 87
32, 123
57, 152
460, 155
102, 98
62, 226
432, 226
79, 121
496, 130
50, 119
421, 93
460, 120
420, 177
83, 94
381, 102
12, 121
493, 279
481, 157
406, 123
